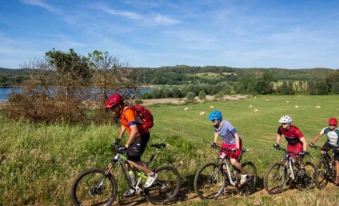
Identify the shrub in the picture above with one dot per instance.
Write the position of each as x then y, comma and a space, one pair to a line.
190, 97
202, 95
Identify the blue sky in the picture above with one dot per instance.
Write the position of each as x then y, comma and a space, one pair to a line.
239, 33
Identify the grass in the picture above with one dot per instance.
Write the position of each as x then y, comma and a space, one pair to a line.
40, 161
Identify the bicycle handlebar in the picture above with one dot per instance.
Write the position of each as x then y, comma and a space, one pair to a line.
228, 150
289, 152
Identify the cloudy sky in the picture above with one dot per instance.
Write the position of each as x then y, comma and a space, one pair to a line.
239, 33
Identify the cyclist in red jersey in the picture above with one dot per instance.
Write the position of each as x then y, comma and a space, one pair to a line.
296, 142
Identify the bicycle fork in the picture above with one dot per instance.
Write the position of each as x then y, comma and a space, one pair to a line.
292, 175
229, 175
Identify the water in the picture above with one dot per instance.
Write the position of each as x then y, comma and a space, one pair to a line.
5, 91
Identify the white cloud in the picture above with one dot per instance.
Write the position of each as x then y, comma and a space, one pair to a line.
156, 19
164, 20
42, 4
122, 13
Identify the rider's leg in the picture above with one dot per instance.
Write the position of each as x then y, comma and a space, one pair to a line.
139, 165
134, 152
237, 165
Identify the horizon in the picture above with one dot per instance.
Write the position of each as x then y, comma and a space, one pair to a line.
238, 34
163, 67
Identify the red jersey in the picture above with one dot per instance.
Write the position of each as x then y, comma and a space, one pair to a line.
292, 136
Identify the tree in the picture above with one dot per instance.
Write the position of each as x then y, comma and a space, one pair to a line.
72, 70
286, 88
318, 87
332, 81
263, 87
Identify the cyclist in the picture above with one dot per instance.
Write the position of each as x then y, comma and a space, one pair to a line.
296, 142
138, 137
332, 133
231, 143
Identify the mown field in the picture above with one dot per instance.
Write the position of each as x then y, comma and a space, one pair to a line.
39, 162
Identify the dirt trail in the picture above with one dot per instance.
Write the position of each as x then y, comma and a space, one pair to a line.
328, 196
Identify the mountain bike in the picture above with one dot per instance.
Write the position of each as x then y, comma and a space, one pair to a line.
289, 171
98, 186
215, 178
325, 168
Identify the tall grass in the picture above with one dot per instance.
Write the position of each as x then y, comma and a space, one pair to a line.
40, 161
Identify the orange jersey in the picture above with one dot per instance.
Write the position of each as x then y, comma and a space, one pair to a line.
128, 118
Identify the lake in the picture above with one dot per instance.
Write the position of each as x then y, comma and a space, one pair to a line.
5, 91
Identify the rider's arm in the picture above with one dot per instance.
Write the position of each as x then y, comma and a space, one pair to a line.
237, 140
278, 138
303, 140
316, 138
133, 133
121, 132
215, 137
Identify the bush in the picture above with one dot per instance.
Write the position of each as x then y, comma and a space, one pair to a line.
138, 101
190, 97
202, 95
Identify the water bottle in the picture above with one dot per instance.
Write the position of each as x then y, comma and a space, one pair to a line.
132, 177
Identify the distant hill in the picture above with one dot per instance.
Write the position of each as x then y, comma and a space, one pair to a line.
13, 77
214, 74
182, 74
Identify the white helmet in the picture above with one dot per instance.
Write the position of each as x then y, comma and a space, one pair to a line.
285, 120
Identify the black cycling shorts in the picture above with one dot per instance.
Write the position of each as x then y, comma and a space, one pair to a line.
335, 150
137, 148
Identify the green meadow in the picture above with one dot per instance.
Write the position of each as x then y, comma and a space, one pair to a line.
39, 161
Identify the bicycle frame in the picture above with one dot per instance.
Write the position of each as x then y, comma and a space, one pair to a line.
122, 161
289, 162
330, 167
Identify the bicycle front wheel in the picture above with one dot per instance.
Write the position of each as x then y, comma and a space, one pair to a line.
209, 181
306, 176
275, 178
166, 186
94, 187
321, 174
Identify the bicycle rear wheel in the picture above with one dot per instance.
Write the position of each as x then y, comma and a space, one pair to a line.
321, 174
166, 186
275, 178
250, 185
209, 181
94, 187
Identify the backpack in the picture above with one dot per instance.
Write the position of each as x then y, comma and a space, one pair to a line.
144, 115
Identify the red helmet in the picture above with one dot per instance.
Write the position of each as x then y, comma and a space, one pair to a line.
333, 121
113, 100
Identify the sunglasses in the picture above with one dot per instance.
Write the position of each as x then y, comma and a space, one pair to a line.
284, 123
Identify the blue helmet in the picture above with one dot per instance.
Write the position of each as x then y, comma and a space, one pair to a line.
215, 115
